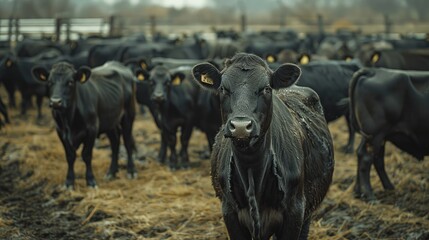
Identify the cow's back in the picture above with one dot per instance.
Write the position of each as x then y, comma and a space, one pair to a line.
104, 95
394, 104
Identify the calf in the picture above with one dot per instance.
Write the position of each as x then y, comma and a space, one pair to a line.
86, 103
272, 161
388, 105
175, 97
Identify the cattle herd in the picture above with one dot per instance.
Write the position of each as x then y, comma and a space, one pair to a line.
263, 100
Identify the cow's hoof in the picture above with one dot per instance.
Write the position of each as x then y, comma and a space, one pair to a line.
185, 165
132, 175
347, 149
69, 187
91, 184
110, 176
173, 167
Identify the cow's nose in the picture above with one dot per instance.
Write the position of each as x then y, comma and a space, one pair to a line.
158, 97
240, 127
55, 102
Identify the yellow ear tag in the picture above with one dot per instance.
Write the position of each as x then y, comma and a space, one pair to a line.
83, 78
140, 77
176, 81
206, 79
375, 58
143, 65
8, 63
270, 59
348, 59
42, 77
304, 60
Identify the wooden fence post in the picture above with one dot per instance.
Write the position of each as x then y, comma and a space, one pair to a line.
153, 25
112, 26
243, 22
57, 29
16, 29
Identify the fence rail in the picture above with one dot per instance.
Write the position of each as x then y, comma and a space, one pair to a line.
63, 29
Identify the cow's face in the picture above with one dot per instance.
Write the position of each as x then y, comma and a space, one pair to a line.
62, 80
160, 80
246, 88
6, 65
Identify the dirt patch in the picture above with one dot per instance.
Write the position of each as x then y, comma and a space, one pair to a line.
162, 204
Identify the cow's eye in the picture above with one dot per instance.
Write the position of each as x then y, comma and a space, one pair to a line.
266, 90
70, 83
223, 90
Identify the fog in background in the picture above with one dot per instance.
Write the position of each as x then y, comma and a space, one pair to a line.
284, 12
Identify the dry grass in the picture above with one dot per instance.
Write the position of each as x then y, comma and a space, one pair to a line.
163, 204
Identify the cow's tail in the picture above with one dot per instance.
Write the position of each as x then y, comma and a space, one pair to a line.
355, 78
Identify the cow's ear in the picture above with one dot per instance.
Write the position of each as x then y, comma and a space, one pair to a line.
177, 78
375, 56
40, 73
348, 58
270, 58
8, 62
304, 58
286, 75
207, 75
142, 75
82, 74
143, 63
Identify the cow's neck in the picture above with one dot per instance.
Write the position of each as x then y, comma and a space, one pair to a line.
253, 169
256, 160
64, 120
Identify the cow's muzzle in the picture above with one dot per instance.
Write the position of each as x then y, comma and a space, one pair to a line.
55, 103
241, 128
158, 98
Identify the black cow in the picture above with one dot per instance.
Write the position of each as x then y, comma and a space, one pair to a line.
330, 80
3, 111
206, 105
272, 162
7, 79
33, 47
410, 59
388, 105
17, 72
175, 95
86, 103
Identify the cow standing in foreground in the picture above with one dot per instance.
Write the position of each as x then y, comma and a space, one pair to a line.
272, 162
388, 105
86, 103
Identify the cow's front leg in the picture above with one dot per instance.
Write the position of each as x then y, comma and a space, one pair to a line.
87, 158
163, 148
70, 153
71, 158
172, 140
236, 231
184, 141
293, 221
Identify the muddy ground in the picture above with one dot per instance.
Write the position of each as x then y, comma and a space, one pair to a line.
161, 204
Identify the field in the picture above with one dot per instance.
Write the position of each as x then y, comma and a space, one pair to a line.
162, 204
